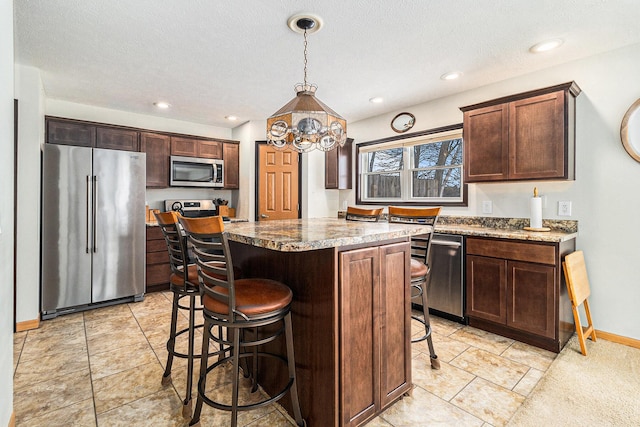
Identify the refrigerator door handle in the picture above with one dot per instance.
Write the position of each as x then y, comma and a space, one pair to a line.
94, 213
87, 213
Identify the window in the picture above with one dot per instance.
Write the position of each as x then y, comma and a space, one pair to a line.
421, 168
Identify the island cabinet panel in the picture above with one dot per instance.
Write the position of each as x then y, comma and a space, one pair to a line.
231, 157
157, 148
516, 289
526, 136
374, 330
116, 139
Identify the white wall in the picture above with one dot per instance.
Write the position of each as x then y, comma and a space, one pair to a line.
248, 133
605, 195
6, 211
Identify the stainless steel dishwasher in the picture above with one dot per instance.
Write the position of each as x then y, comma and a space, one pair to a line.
446, 291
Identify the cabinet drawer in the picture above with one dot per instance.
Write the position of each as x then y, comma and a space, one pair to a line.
518, 251
156, 246
158, 257
157, 274
154, 233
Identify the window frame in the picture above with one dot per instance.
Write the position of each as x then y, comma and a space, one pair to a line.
406, 200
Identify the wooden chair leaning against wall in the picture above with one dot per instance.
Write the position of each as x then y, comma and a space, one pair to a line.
575, 273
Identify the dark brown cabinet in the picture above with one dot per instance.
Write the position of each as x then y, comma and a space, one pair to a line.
374, 330
231, 157
516, 289
116, 139
337, 167
66, 132
522, 137
193, 147
157, 147
158, 268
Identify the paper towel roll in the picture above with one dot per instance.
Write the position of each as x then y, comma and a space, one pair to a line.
536, 212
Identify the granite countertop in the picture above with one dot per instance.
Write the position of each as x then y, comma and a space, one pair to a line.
298, 235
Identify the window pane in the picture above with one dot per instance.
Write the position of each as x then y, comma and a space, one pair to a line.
384, 185
437, 183
441, 153
384, 160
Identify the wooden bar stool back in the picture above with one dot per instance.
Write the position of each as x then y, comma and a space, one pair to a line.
575, 273
183, 283
365, 215
240, 306
420, 265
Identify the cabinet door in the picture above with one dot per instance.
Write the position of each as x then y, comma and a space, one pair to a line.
359, 277
486, 144
537, 138
116, 139
486, 287
209, 149
531, 298
70, 133
395, 328
184, 147
231, 157
337, 167
157, 148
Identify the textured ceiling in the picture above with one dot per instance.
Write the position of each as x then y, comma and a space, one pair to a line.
213, 58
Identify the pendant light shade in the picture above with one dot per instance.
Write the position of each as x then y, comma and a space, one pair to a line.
306, 123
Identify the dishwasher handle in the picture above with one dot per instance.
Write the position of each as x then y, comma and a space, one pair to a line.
446, 243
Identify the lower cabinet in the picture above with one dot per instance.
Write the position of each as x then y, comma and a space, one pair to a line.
375, 330
158, 268
517, 289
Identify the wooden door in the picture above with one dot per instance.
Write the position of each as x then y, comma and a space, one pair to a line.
537, 137
278, 184
531, 298
157, 148
486, 287
359, 277
486, 144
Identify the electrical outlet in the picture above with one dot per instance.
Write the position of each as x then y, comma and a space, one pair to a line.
564, 208
487, 207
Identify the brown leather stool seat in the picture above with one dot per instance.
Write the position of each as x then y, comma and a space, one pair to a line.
254, 297
418, 269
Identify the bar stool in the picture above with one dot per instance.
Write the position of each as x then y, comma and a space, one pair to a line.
365, 215
238, 305
182, 286
420, 265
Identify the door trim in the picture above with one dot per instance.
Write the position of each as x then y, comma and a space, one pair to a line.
257, 186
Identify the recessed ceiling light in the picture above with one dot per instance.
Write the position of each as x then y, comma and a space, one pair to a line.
161, 104
232, 118
545, 46
452, 75
376, 100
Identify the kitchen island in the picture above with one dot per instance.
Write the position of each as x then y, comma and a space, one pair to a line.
351, 310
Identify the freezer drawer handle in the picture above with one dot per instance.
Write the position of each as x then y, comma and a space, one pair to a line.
87, 215
95, 209
446, 243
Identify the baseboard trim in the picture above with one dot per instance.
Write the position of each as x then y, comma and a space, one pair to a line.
12, 420
27, 325
631, 342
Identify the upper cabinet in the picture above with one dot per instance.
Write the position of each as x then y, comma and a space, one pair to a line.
116, 139
231, 156
87, 134
528, 136
157, 146
192, 147
337, 167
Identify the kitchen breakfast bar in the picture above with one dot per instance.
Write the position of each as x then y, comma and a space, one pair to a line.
351, 310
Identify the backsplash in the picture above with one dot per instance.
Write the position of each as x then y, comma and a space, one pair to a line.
567, 226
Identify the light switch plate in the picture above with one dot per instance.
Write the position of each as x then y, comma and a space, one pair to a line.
487, 207
564, 208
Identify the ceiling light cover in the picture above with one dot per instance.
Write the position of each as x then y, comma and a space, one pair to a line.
545, 45
452, 75
231, 118
305, 123
161, 104
376, 100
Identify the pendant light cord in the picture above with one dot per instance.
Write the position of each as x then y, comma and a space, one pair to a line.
305, 59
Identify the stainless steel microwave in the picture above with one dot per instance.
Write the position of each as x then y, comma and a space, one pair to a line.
196, 172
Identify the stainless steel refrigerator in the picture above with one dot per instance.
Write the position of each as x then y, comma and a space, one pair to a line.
93, 228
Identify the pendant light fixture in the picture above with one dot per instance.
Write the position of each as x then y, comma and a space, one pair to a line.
306, 123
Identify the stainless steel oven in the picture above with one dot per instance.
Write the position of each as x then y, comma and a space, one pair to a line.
196, 172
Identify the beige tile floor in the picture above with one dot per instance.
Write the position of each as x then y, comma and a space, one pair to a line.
103, 368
